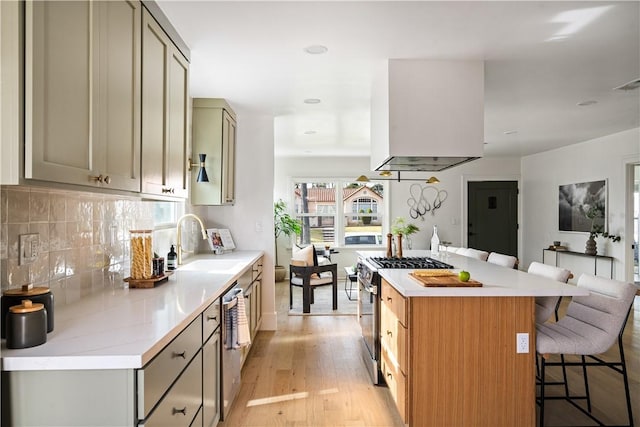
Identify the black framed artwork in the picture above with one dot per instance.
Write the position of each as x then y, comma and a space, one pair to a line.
582, 206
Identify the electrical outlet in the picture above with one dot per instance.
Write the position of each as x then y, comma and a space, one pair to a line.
522, 342
29, 244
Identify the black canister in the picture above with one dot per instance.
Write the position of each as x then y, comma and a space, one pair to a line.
39, 295
26, 325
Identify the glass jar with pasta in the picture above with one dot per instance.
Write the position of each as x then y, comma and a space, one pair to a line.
141, 254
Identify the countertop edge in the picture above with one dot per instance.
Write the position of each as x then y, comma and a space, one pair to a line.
19, 360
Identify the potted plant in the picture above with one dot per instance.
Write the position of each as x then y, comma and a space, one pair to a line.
595, 212
400, 226
283, 224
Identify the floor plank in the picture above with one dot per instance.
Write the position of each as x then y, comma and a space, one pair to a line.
309, 373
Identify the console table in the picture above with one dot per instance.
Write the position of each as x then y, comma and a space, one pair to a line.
595, 258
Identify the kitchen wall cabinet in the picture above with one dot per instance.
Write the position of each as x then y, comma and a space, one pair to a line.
214, 134
82, 93
164, 113
11, 102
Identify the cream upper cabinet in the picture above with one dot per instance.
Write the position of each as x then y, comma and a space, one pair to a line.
214, 134
164, 113
82, 93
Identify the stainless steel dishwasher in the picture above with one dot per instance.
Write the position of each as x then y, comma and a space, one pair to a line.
231, 357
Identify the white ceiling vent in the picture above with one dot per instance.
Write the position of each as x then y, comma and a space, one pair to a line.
633, 84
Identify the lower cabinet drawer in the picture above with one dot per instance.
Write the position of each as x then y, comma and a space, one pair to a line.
397, 383
210, 319
183, 401
158, 375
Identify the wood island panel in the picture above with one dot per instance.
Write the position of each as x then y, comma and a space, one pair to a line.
464, 369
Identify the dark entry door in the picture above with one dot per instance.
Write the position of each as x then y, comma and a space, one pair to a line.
493, 216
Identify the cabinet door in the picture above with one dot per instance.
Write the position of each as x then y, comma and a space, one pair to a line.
117, 157
82, 89
214, 134
155, 51
60, 67
176, 152
228, 158
211, 380
164, 113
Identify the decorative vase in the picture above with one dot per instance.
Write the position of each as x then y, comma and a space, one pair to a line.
406, 242
591, 248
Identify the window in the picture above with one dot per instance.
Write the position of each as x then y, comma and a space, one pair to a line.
166, 214
339, 212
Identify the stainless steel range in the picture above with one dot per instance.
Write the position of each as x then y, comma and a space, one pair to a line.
369, 303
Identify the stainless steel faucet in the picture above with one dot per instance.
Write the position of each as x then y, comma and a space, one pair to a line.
179, 232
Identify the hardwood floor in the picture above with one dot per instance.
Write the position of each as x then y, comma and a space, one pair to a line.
309, 373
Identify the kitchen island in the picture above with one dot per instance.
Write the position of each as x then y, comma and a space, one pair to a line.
91, 368
462, 355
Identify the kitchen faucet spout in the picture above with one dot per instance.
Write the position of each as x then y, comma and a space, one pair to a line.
203, 230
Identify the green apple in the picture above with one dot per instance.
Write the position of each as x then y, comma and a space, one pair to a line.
464, 276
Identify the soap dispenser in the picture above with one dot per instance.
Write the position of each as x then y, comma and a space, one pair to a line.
172, 256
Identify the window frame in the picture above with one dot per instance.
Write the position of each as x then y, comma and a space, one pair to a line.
339, 227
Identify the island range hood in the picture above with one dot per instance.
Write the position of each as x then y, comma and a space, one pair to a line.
427, 115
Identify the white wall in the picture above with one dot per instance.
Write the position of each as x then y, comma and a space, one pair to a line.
250, 220
601, 158
450, 218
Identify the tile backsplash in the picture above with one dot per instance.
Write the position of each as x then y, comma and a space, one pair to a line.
83, 238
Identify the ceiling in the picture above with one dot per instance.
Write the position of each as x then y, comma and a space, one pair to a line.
541, 60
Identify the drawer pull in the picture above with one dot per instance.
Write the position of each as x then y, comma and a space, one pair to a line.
182, 411
389, 375
389, 333
183, 354
389, 299
212, 318
101, 179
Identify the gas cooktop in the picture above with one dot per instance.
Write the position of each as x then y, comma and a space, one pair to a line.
409, 262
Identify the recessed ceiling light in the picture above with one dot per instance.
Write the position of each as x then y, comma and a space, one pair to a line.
312, 101
309, 132
510, 132
585, 103
316, 49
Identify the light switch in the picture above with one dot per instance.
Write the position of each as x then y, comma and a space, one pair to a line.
28, 247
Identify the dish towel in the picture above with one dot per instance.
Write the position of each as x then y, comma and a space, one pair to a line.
243, 336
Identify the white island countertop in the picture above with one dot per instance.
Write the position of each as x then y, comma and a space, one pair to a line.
496, 280
123, 328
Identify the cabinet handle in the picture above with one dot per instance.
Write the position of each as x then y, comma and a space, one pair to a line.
212, 318
182, 411
389, 332
389, 299
183, 354
389, 375
101, 179
168, 190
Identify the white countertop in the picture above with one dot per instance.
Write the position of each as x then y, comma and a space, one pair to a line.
125, 328
496, 280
